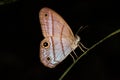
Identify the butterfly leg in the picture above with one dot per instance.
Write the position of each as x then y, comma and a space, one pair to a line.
82, 45
75, 54
72, 57
81, 48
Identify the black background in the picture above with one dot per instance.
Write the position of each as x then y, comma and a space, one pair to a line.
20, 36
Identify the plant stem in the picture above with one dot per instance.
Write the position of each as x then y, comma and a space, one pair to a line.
69, 68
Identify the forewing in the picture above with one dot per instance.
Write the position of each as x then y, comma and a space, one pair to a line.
53, 24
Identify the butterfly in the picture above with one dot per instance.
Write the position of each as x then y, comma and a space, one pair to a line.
59, 40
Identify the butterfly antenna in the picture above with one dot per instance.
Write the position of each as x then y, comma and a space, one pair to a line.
81, 28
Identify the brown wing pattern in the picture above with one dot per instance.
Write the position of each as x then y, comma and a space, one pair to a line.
53, 24
59, 39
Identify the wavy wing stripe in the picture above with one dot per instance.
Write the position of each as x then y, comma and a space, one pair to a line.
61, 40
52, 24
49, 26
53, 47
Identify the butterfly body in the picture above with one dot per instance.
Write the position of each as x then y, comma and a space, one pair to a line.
58, 41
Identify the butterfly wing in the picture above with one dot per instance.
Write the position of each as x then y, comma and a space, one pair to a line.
53, 24
59, 38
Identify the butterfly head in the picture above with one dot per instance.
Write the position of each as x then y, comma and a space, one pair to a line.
46, 56
77, 39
